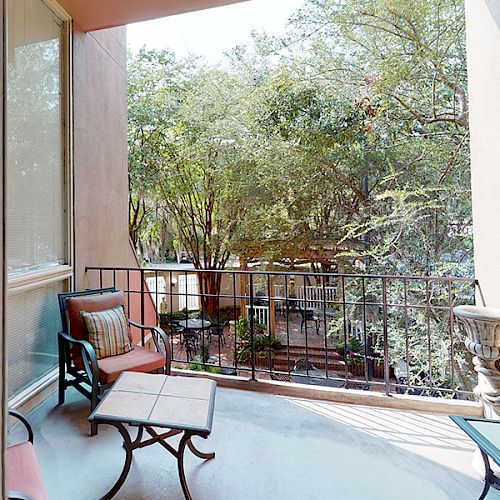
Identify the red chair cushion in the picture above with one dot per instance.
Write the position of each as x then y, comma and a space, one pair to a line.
139, 359
22, 472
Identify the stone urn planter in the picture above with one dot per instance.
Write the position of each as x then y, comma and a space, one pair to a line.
482, 326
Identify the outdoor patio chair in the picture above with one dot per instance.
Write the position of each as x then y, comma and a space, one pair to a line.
217, 330
190, 342
309, 315
77, 357
23, 479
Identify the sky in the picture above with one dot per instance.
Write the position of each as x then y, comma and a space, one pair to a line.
211, 32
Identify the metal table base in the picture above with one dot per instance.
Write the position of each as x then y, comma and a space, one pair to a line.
130, 446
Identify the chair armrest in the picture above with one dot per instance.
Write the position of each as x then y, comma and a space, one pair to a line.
157, 332
88, 355
17, 495
22, 418
141, 327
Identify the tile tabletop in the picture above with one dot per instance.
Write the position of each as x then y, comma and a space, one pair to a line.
160, 401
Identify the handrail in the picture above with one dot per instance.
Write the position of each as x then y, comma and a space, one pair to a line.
285, 273
376, 332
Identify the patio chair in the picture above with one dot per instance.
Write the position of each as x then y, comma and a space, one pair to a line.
189, 342
23, 479
77, 357
309, 315
217, 330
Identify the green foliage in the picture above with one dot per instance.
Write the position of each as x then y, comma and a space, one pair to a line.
204, 368
264, 344
356, 345
176, 315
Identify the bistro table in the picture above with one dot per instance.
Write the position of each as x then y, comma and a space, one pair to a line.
191, 333
194, 324
486, 434
183, 405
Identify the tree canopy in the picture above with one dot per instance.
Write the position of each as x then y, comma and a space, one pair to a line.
343, 142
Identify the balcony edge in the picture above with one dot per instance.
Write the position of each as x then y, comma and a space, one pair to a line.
343, 396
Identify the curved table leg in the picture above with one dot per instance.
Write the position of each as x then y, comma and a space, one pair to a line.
138, 439
186, 440
198, 453
488, 475
128, 459
180, 465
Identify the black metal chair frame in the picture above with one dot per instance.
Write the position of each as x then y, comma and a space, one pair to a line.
217, 330
309, 315
190, 342
11, 494
89, 376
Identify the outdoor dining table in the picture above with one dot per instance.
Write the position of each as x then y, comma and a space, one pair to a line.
194, 324
191, 333
180, 405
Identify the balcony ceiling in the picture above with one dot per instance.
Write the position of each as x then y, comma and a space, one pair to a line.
90, 15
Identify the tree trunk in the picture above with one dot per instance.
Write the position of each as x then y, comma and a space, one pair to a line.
209, 290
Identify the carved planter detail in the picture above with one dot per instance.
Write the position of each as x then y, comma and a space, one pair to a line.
482, 326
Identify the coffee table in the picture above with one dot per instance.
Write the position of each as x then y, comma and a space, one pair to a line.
486, 434
183, 405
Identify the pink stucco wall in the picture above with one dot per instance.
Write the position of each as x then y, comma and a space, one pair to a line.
100, 157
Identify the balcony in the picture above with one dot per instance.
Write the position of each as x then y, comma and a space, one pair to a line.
267, 447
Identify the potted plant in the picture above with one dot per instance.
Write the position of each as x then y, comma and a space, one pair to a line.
264, 345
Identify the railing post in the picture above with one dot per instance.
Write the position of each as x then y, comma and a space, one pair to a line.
386, 336
142, 305
368, 343
252, 329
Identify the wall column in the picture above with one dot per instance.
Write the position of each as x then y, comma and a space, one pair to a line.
483, 64
3, 259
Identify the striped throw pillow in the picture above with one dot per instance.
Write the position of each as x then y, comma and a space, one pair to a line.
108, 331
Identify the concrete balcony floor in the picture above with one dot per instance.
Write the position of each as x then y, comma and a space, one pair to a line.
267, 447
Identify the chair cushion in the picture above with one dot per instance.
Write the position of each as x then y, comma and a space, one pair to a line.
139, 359
88, 303
22, 472
108, 331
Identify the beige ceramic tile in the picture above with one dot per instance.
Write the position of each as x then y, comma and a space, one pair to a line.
129, 405
150, 383
188, 387
181, 411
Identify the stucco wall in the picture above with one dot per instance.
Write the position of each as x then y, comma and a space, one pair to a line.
483, 53
3, 289
100, 151
100, 155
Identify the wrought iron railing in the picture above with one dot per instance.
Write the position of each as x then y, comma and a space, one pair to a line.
393, 334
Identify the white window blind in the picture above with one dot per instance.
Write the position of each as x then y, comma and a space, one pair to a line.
37, 215
33, 321
36, 219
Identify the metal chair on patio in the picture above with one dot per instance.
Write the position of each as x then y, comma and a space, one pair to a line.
217, 330
89, 373
309, 315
